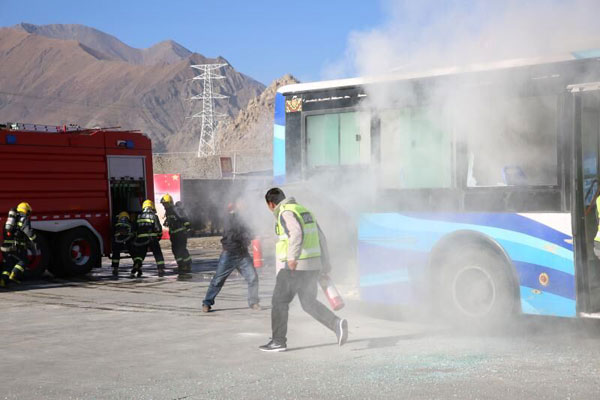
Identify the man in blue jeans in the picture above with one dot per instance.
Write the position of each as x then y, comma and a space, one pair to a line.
235, 242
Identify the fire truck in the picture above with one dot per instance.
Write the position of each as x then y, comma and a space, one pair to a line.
76, 180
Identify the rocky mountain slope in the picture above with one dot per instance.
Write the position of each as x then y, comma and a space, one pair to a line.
109, 47
83, 76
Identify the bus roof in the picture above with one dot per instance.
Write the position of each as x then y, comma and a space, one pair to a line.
397, 76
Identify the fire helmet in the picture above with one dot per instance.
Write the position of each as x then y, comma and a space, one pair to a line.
24, 208
148, 204
166, 199
123, 214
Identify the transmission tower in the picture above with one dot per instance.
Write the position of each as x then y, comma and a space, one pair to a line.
206, 146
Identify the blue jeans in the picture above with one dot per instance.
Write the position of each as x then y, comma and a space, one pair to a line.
227, 263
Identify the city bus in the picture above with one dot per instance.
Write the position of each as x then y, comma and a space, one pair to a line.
471, 189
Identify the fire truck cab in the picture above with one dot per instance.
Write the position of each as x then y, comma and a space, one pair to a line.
76, 181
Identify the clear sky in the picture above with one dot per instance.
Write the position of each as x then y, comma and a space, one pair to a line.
261, 38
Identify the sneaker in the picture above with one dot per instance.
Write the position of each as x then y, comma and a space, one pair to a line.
256, 307
205, 308
273, 346
341, 331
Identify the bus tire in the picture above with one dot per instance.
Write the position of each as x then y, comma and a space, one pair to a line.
476, 289
38, 262
77, 252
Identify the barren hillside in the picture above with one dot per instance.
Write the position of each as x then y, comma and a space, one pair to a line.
57, 81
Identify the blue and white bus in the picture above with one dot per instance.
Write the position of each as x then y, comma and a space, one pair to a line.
483, 182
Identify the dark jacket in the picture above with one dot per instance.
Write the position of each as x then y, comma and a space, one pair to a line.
177, 220
236, 235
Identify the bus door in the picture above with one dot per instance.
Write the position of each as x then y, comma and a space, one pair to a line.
587, 173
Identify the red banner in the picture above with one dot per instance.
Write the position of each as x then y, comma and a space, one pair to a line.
163, 184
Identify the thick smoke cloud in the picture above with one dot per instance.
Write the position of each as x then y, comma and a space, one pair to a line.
434, 34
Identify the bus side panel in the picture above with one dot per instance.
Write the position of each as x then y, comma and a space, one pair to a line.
279, 140
394, 252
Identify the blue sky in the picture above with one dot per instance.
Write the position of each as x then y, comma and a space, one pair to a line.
263, 39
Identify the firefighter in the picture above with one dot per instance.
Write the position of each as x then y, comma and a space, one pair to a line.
18, 236
122, 237
179, 228
148, 233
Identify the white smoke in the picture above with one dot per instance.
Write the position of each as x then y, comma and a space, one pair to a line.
427, 34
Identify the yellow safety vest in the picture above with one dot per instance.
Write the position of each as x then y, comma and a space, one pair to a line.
310, 235
597, 238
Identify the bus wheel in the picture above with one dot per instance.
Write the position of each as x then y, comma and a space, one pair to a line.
38, 262
476, 289
77, 252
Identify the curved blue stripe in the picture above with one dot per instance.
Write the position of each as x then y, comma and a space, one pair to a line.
397, 225
509, 221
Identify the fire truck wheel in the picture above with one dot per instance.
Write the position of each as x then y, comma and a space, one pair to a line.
39, 261
77, 252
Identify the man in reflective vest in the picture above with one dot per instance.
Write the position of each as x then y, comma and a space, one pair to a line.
18, 236
122, 235
148, 233
179, 228
298, 267
597, 238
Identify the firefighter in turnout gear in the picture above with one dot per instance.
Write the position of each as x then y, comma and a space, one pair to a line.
122, 237
179, 228
18, 237
148, 233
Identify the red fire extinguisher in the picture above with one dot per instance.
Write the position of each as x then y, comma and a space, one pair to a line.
257, 253
333, 296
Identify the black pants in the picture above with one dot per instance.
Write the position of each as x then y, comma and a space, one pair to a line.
304, 283
179, 247
139, 254
14, 265
117, 249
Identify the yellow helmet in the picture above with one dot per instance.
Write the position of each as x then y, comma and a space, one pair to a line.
24, 208
148, 204
166, 199
123, 214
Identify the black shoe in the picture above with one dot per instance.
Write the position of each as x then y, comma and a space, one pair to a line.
341, 331
273, 347
139, 273
115, 272
161, 273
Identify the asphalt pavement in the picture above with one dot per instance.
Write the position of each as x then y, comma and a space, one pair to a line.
97, 338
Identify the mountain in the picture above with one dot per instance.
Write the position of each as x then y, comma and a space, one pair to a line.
86, 77
108, 46
252, 129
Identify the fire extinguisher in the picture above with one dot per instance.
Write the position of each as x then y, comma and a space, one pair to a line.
257, 253
333, 296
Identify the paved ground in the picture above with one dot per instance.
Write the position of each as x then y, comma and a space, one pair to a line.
147, 339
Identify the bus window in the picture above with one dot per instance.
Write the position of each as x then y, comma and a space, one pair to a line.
415, 153
322, 145
512, 142
338, 139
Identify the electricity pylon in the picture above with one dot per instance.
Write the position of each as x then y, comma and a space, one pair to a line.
206, 146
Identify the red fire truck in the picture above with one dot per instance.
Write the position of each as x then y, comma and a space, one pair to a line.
76, 180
